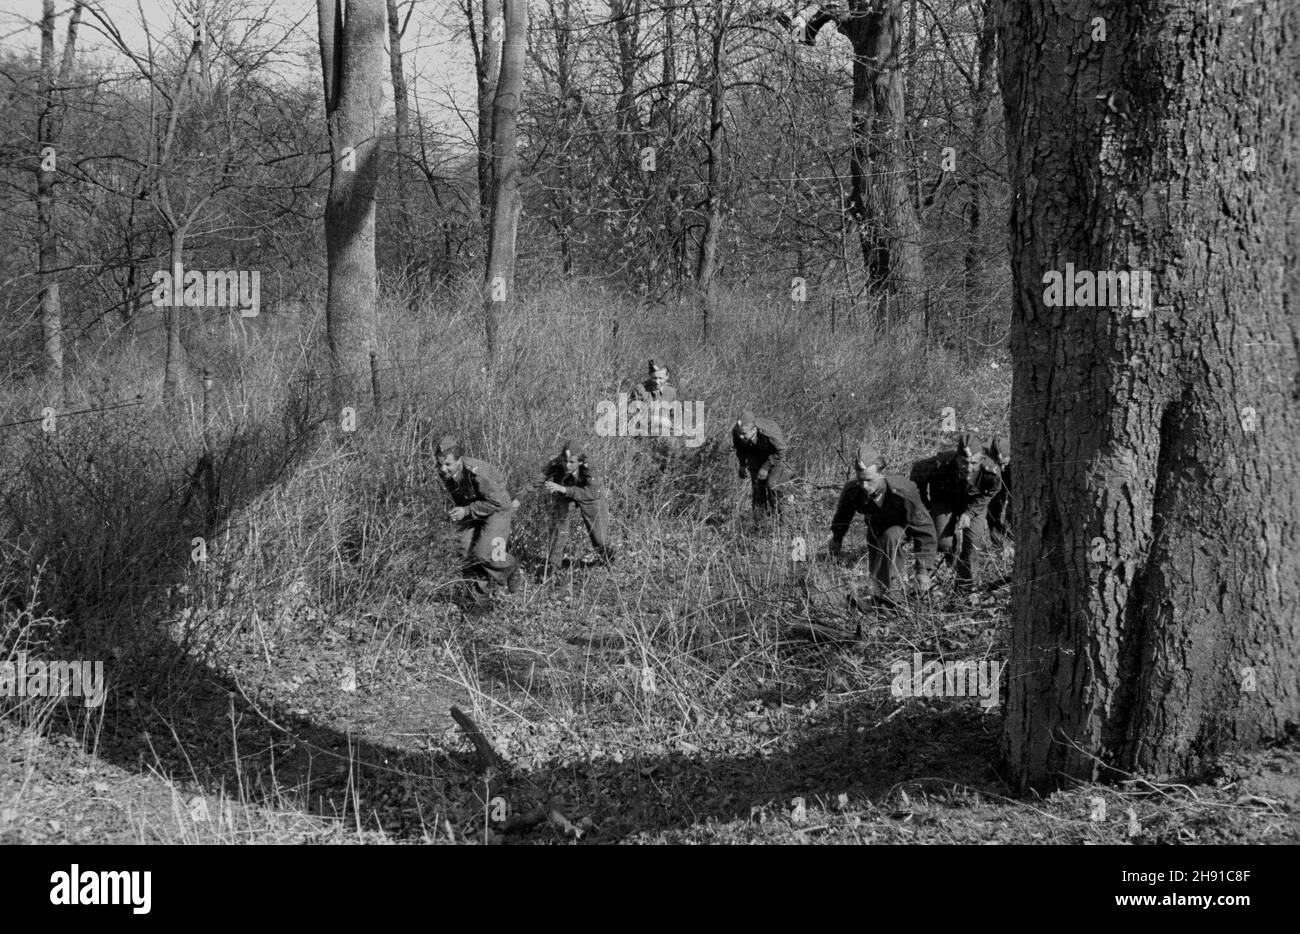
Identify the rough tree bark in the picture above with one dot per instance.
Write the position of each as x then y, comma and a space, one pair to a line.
1157, 514
880, 202
352, 68
507, 201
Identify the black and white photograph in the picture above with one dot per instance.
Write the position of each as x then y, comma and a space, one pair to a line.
662, 422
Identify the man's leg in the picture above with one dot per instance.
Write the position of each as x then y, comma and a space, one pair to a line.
472, 573
945, 527
596, 517
886, 559
776, 478
559, 525
974, 544
489, 549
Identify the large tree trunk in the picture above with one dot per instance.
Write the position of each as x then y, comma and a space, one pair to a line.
880, 201
487, 68
352, 62
47, 235
1157, 517
507, 201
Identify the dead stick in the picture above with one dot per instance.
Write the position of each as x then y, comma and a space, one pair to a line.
487, 756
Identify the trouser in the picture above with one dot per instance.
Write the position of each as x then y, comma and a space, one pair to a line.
999, 516
483, 542
594, 515
886, 557
766, 494
968, 545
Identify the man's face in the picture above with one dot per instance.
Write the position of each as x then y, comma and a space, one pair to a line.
571, 465
749, 432
871, 478
655, 382
448, 465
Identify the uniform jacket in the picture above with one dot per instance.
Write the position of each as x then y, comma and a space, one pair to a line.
642, 392
765, 451
480, 486
901, 506
947, 482
582, 487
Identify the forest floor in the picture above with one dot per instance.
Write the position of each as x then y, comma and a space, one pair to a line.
617, 718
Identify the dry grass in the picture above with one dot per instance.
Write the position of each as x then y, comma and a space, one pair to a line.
295, 684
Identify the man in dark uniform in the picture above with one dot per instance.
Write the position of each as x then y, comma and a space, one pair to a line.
482, 513
571, 482
760, 449
894, 514
956, 487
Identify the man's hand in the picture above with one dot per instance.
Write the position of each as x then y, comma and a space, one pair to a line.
743, 472
555, 487
457, 513
762, 475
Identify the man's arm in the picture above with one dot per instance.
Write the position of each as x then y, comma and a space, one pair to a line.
588, 491
844, 511
777, 442
493, 496
736, 442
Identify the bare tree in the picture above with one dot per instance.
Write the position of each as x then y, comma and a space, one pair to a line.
352, 67
880, 201
507, 201
486, 38
47, 134
1156, 532
401, 131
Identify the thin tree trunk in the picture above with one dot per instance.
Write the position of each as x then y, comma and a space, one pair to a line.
47, 134
1157, 521
487, 62
507, 201
401, 137
975, 259
352, 65
707, 261
172, 319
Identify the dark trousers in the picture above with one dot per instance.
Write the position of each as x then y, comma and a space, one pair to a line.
887, 557
766, 494
968, 545
594, 515
483, 541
